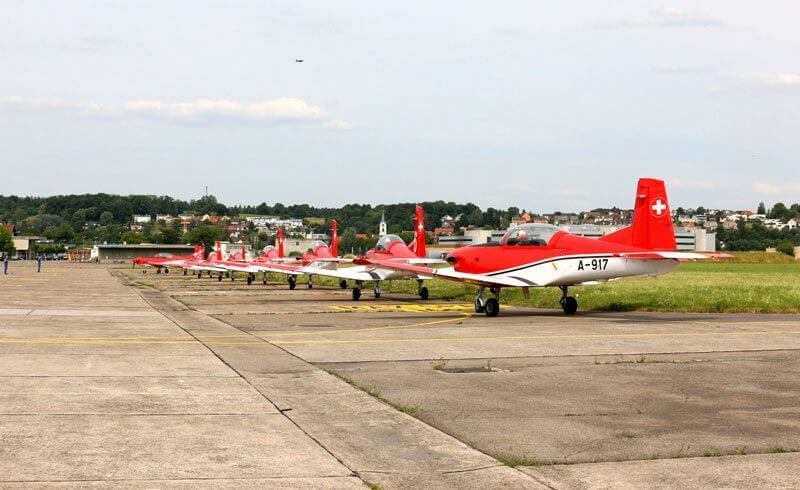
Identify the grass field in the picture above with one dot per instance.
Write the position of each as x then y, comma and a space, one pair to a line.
748, 283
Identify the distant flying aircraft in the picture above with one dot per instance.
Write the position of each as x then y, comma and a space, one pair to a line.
298, 61
390, 249
538, 255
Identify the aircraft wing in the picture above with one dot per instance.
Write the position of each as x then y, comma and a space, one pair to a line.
450, 274
672, 255
275, 267
420, 261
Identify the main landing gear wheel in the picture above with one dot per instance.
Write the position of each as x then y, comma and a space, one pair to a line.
264, 280
377, 291
343, 284
569, 304
166, 271
219, 277
185, 272
492, 307
479, 305
292, 282
249, 279
423, 292
158, 271
356, 294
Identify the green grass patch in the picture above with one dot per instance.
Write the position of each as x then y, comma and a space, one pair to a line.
718, 287
375, 393
514, 461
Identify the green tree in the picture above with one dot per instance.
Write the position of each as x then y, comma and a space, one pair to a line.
131, 236
106, 218
762, 208
780, 211
476, 217
78, 220
61, 233
786, 247
205, 235
6, 242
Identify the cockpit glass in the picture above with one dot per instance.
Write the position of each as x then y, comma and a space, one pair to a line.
385, 242
164, 255
315, 245
530, 234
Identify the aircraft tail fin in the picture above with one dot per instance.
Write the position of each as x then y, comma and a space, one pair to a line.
219, 251
652, 227
419, 232
279, 239
334, 238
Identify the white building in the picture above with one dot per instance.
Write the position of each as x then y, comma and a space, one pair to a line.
141, 218
382, 226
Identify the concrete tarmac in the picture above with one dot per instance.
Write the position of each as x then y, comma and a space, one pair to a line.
170, 380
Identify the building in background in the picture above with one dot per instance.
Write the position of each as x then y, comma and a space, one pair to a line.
687, 238
124, 253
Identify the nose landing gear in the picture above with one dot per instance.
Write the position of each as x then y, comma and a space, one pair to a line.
422, 290
568, 303
292, 282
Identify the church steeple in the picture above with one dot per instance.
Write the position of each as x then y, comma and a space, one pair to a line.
382, 230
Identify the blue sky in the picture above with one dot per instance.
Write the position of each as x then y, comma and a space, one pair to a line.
541, 105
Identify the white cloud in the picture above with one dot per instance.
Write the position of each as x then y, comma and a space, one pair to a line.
668, 68
776, 189
691, 184
770, 80
282, 110
666, 17
337, 124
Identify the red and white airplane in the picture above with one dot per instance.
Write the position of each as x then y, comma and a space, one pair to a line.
165, 261
390, 249
538, 255
273, 259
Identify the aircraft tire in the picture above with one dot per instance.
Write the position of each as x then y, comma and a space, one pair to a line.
570, 305
219, 278
310, 286
479, 308
492, 307
343, 284
249, 280
166, 271
185, 272
423, 293
356, 294
292, 283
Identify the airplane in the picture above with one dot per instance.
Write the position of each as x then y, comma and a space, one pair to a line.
540, 255
165, 261
273, 259
298, 61
390, 249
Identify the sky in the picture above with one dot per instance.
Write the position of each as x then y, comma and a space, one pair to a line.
541, 105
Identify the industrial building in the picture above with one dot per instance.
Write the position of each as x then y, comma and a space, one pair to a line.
125, 252
696, 239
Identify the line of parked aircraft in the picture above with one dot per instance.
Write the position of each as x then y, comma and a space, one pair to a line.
529, 255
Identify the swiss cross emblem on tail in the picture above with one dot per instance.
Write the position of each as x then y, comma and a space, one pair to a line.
658, 206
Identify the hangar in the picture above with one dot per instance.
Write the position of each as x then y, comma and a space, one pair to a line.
124, 252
